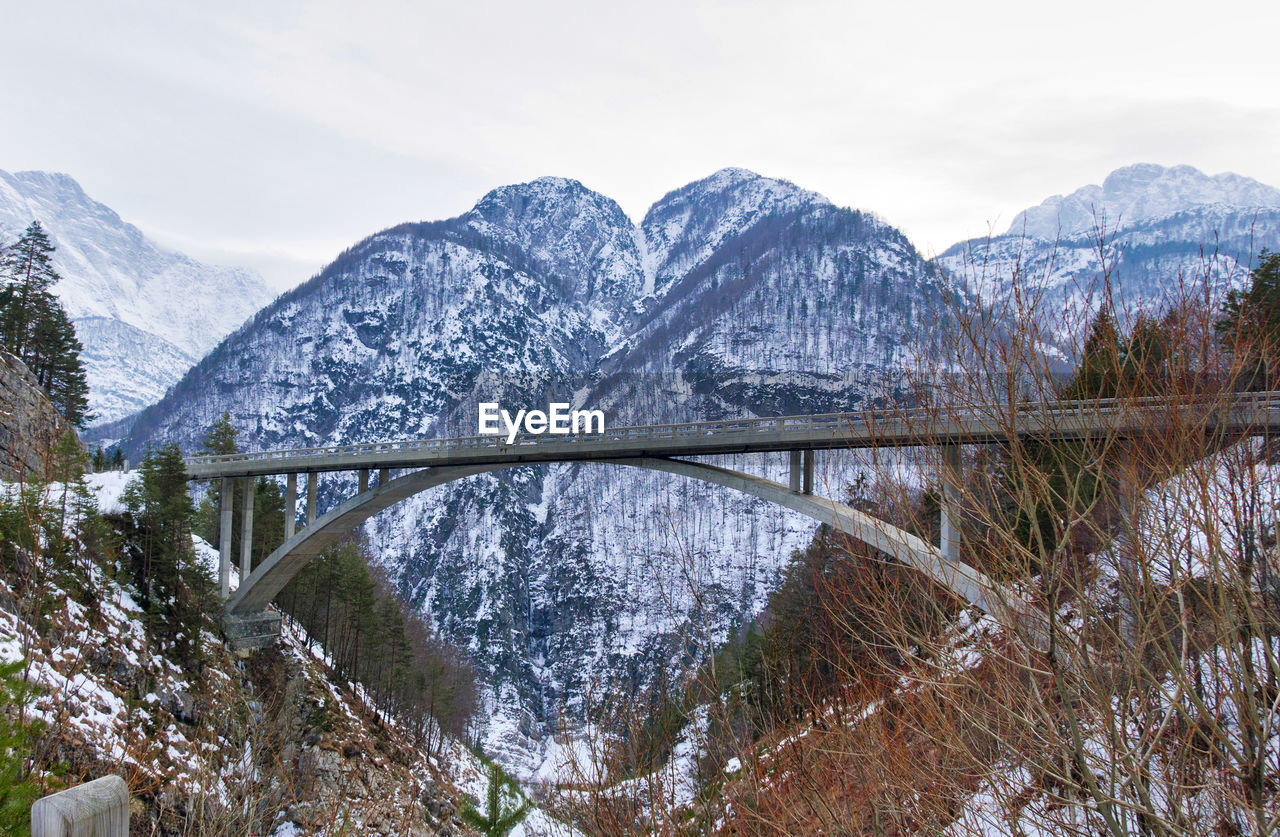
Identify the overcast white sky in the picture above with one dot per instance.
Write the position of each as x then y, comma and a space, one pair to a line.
275, 134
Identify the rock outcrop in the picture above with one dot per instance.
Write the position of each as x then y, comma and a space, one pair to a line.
30, 425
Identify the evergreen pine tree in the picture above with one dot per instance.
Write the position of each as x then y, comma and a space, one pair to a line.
268, 519
18, 735
61, 371
1146, 353
220, 440
173, 590
495, 822
1250, 323
29, 274
35, 327
1098, 373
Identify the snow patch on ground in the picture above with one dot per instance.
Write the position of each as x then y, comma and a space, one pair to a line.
107, 488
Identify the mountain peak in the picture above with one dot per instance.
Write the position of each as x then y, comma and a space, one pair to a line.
143, 313
688, 224
581, 236
539, 201
51, 180
1141, 192
732, 176
765, 192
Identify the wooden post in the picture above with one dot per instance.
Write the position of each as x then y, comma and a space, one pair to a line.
246, 529
290, 504
226, 500
95, 809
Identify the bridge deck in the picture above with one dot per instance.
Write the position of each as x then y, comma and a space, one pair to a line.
1251, 413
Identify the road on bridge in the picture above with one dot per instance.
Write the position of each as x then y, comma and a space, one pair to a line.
1248, 413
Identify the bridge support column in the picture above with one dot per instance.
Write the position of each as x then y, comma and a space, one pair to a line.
952, 475
312, 479
808, 473
246, 529
290, 505
226, 500
384, 476
795, 472
364, 481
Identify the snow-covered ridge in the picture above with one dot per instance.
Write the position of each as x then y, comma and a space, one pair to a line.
688, 224
1140, 193
170, 307
1152, 232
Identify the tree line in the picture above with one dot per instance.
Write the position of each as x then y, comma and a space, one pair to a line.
34, 326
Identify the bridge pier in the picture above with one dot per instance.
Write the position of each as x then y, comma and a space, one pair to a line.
246, 528
290, 505
364, 481
225, 510
246, 632
952, 476
802, 472
312, 479
384, 476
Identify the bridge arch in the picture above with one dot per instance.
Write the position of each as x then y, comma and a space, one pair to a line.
965, 582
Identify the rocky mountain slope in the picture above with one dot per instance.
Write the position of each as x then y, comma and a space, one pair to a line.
1155, 231
207, 741
145, 314
737, 295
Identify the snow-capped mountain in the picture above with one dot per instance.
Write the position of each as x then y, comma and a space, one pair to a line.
1139, 194
144, 314
1151, 229
737, 295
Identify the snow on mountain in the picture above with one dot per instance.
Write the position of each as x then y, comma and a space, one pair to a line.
1149, 231
1141, 193
739, 295
127, 367
689, 224
581, 240
144, 314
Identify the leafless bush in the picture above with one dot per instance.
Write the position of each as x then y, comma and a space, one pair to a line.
1146, 699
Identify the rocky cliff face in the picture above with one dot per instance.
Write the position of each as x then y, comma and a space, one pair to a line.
275, 744
30, 426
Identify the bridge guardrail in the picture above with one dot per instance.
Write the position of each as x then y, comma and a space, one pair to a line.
867, 420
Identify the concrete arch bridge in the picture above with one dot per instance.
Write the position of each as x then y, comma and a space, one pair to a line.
408, 467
